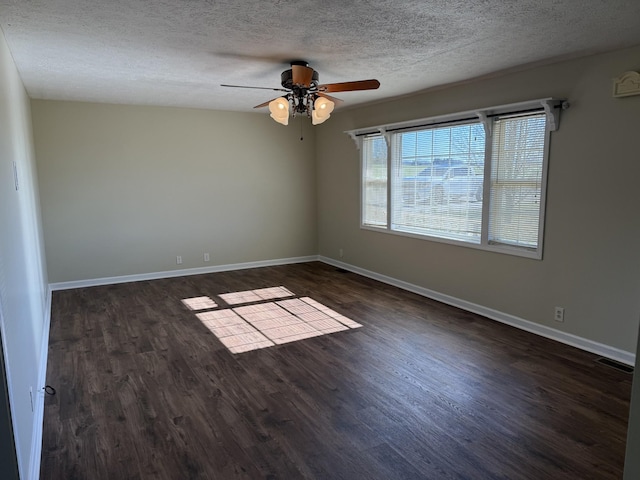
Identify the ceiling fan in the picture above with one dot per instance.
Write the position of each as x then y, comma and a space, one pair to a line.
304, 95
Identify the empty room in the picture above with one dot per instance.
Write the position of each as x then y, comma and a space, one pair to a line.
319, 240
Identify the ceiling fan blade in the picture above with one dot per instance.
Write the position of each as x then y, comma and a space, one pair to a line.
259, 88
301, 75
266, 103
349, 86
335, 100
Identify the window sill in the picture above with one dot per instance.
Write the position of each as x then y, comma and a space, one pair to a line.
494, 248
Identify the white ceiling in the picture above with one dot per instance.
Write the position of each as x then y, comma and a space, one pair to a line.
177, 53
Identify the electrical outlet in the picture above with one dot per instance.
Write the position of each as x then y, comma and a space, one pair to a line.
559, 314
206, 257
179, 260
341, 252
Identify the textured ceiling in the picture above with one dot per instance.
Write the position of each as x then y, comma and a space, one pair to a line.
177, 53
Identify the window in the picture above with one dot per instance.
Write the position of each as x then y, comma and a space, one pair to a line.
475, 178
437, 181
374, 184
517, 162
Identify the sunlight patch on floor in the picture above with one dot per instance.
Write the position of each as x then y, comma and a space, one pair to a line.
259, 325
199, 303
249, 296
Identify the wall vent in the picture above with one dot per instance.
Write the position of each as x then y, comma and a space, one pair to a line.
617, 365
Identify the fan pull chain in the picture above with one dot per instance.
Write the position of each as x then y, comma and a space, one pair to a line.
301, 137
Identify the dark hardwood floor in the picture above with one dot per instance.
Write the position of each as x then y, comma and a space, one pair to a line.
421, 391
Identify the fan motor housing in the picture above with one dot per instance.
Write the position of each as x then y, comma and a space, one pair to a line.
286, 79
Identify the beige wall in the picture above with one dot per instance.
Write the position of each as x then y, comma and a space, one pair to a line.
125, 189
591, 263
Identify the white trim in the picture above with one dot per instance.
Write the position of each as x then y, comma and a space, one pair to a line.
497, 248
38, 412
356, 139
622, 356
178, 273
546, 104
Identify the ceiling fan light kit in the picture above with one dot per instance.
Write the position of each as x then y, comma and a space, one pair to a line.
305, 95
322, 109
279, 109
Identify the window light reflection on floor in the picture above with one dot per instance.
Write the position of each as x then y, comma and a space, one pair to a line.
259, 325
199, 303
237, 298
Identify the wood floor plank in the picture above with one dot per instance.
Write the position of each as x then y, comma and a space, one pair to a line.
420, 391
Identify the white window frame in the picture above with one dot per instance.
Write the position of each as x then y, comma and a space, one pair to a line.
551, 107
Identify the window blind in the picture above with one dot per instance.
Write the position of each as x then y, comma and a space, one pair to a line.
517, 162
374, 181
437, 181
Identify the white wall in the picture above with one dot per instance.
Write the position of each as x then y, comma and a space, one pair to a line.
23, 279
591, 262
125, 189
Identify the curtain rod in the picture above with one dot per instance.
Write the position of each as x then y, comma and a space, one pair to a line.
457, 120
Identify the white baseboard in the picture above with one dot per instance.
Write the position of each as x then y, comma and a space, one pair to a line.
179, 273
38, 407
621, 356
